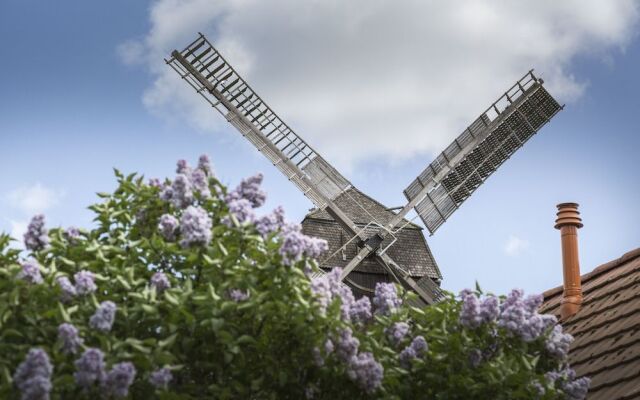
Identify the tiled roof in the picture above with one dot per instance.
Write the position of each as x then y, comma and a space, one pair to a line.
410, 250
606, 328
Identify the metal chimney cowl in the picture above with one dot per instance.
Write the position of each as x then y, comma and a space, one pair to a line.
568, 222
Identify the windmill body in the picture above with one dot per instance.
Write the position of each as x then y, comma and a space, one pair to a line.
371, 243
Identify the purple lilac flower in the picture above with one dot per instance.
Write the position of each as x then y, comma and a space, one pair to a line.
470, 312
558, 343
119, 378
386, 299
68, 336
249, 189
182, 167
30, 272
168, 226
72, 234
535, 326
577, 389
160, 281
417, 347
489, 309
241, 210
182, 192
89, 368
200, 183
195, 227
85, 282
67, 289
397, 332
328, 287
102, 320
361, 310
160, 378
33, 376
295, 245
238, 295
37, 236
166, 193
346, 345
204, 164
271, 222
155, 182
366, 371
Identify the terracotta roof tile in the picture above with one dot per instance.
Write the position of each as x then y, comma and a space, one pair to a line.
606, 328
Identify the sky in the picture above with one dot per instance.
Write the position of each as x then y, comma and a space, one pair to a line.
378, 88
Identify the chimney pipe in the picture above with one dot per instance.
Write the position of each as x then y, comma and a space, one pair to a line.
568, 222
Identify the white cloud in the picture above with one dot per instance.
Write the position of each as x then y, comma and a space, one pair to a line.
34, 199
364, 79
515, 246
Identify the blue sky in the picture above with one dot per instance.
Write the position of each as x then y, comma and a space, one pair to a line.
84, 89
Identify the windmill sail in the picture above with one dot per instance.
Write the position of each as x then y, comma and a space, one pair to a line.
474, 155
202, 66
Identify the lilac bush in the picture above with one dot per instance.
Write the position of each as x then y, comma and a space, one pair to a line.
183, 289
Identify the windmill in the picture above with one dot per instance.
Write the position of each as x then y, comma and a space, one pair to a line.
365, 238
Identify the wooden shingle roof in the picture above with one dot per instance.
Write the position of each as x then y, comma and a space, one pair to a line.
410, 248
606, 328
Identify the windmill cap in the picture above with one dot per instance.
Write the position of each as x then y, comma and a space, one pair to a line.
568, 214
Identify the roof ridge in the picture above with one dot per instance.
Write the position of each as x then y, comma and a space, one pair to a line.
407, 223
599, 270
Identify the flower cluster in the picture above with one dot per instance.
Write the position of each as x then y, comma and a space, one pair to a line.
195, 227
249, 189
241, 210
168, 227
68, 337
117, 381
160, 281
37, 236
271, 222
89, 368
558, 343
565, 379
416, 349
475, 312
366, 371
31, 272
188, 182
67, 289
160, 378
295, 245
102, 320
517, 314
385, 299
85, 282
72, 234
33, 375
397, 332
329, 287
